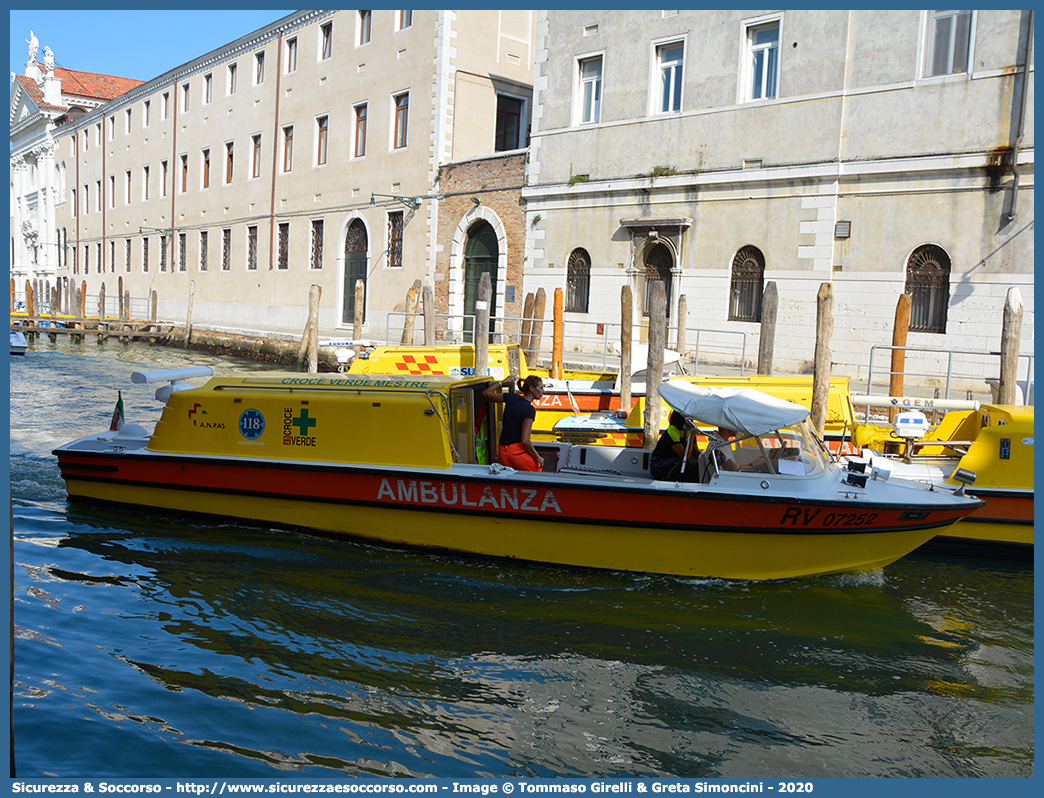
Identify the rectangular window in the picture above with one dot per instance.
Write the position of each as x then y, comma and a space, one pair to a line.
763, 61
98, 135
360, 131
316, 261
226, 249
322, 126
101, 202
112, 191
949, 41
590, 90
402, 109
184, 97
183, 252
231, 89
86, 259
147, 107
395, 229
165, 105
127, 255
145, 254
364, 26
184, 173
283, 260
291, 55
127, 128
509, 123
112, 128
259, 68
86, 141
163, 253
86, 200
404, 19
288, 148
127, 188
72, 206
326, 43
669, 60
202, 250
229, 158
208, 89
163, 178
145, 183
205, 178
112, 256
255, 156
252, 248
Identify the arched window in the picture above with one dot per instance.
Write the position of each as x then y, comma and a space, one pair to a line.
747, 285
578, 281
928, 284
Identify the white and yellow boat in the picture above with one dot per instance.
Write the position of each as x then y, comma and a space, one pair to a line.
994, 442
411, 460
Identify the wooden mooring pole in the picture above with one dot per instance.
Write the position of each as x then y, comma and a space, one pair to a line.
654, 367
1011, 335
412, 301
767, 339
310, 337
900, 330
429, 316
626, 334
485, 293
360, 298
557, 332
823, 356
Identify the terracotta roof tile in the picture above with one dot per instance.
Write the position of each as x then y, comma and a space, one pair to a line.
80, 84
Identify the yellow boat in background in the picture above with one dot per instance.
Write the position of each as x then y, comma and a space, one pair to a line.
994, 442
592, 398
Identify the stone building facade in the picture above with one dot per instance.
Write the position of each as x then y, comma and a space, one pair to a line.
303, 153
880, 151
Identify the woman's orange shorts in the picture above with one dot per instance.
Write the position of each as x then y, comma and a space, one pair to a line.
514, 455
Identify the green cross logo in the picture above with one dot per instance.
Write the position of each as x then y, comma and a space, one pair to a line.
303, 422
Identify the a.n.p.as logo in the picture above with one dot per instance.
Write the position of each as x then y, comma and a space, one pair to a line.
197, 415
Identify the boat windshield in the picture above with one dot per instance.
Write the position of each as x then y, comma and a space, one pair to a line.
795, 451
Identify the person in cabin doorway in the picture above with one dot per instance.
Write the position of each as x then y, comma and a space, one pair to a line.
669, 454
516, 446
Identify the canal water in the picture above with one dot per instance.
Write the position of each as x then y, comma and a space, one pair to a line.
148, 644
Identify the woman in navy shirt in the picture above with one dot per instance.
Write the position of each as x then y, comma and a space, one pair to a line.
516, 446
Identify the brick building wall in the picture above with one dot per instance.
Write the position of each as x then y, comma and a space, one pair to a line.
489, 190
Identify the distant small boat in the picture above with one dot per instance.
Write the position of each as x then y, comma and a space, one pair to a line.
18, 343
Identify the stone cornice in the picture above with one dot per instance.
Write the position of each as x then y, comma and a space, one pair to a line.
230, 51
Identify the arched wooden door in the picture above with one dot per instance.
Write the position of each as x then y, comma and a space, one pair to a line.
355, 246
481, 253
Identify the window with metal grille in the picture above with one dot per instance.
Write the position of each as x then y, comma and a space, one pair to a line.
145, 254
658, 265
395, 228
317, 244
226, 249
112, 257
928, 284
127, 246
578, 281
284, 245
202, 250
163, 253
252, 248
183, 254
747, 285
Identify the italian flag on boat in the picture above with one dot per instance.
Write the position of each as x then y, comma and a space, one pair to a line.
117, 413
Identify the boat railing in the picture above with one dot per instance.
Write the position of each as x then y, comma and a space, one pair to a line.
594, 342
955, 364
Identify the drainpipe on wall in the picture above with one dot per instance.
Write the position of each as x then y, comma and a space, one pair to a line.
1022, 122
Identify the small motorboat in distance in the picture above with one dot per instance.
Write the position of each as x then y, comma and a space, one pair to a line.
19, 346
411, 460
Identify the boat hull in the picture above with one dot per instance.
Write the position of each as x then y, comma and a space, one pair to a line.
620, 526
